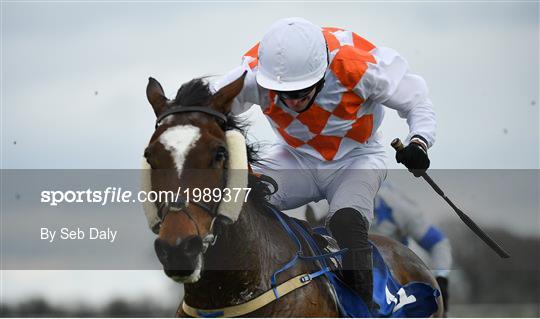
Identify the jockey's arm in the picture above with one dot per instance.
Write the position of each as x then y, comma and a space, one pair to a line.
433, 241
389, 82
414, 224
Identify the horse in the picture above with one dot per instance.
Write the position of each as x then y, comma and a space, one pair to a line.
226, 252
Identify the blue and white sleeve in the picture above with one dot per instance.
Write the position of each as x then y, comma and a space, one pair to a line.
438, 246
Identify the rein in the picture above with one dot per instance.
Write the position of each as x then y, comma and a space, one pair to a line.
277, 291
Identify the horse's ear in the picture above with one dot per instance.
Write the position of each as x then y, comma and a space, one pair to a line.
155, 95
222, 99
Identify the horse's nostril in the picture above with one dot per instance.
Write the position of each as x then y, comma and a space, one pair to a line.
146, 153
192, 246
162, 250
179, 260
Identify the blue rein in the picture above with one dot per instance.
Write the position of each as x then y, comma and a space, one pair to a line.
319, 256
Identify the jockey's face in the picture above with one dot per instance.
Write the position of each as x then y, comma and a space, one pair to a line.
298, 104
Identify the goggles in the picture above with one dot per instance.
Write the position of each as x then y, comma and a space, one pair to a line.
295, 95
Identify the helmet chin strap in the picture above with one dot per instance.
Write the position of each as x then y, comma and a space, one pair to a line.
320, 84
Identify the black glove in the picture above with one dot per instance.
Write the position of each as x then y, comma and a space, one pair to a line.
443, 284
414, 156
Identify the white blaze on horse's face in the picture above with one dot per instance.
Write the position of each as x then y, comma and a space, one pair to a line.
179, 140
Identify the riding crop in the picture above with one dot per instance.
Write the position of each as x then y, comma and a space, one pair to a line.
398, 146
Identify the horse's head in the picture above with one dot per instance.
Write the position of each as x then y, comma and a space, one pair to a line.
189, 164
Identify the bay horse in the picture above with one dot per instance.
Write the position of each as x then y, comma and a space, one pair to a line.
226, 252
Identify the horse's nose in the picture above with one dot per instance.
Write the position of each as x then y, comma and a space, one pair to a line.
189, 248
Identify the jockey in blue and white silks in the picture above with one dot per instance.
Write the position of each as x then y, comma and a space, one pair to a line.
398, 217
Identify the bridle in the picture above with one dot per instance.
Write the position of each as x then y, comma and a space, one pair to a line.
180, 205
190, 109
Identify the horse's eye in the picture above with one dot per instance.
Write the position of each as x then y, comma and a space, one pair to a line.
150, 159
221, 154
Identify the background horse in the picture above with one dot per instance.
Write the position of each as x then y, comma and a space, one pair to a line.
227, 258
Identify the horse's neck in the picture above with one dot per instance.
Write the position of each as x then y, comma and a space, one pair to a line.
240, 264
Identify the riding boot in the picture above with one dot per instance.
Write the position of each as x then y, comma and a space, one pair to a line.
358, 273
350, 228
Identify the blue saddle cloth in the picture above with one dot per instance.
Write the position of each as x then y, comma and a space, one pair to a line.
415, 299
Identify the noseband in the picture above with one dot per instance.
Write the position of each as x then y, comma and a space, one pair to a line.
180, 205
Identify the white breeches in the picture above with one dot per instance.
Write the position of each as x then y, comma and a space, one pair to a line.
352, 181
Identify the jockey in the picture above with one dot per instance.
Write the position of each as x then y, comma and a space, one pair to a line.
396, 216
323, 92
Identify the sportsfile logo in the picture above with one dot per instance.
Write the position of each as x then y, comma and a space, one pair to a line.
109, 195
117, 195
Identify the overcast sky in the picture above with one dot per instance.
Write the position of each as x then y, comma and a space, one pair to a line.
74, 74
74, 77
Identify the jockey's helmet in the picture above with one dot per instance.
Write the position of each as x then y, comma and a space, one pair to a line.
292, 55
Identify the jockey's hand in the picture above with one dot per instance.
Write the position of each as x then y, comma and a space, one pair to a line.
414, 156
443, 284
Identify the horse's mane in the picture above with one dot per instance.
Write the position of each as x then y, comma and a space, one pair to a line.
194, 92
197, 92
